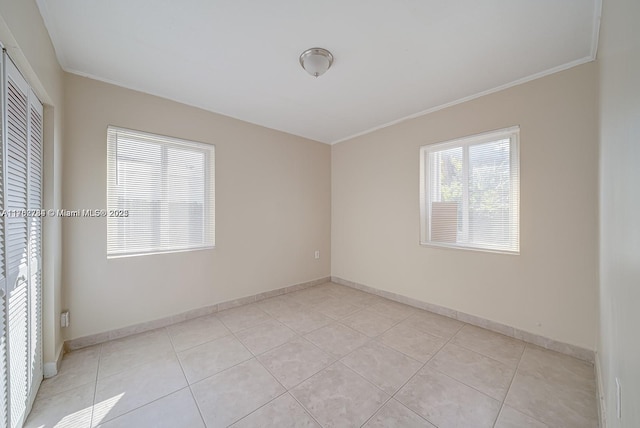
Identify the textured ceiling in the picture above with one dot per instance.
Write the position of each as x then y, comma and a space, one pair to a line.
393, 59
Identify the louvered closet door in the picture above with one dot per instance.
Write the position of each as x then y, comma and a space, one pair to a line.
17, 93
35, 244
22, 234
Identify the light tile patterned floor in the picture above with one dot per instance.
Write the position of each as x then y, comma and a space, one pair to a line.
325, 356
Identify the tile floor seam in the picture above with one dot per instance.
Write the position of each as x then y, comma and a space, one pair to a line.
390, 348
393, 326
488, 357
272, 375
390, 318
260, 407
95, 388
154, 400
468, 386
511, 384
144, 405
376, 313
515, 373
391, 398
363, 378
242, 343
308, 377
484, 355
149, 332
244, 306
377, 410
255, 410
407, 355
524, 344
357, 374
193, 397
200, 344
305, 407
295, 333
67, 390
415, 374
221, 371
255, 357
315, 329
464, 324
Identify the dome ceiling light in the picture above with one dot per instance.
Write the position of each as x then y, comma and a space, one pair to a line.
316, 61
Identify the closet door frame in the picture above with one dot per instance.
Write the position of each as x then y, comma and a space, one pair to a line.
5, 396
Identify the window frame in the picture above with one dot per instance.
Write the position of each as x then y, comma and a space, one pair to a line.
513, 133
165, 143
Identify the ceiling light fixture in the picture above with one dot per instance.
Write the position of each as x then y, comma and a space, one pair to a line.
316, 61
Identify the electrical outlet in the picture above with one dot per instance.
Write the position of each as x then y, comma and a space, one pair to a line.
64, 319
618, 399
317, 254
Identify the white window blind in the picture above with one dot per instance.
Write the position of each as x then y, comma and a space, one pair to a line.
160, 193
469, 190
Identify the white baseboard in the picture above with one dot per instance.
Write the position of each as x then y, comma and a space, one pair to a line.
535, 339
51, 368
602, 410
94, 339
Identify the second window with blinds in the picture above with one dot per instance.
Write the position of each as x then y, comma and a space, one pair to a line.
470, 192
160, 194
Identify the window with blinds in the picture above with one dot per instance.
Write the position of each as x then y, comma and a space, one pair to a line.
160, 194
470, 192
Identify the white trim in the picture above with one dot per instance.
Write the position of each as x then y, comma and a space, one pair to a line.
480, 94
466, 248
94, 339
53, 35
595, 36
487, 136
575, 351
51, 368
602, 409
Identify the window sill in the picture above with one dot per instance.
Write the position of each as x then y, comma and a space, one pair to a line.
468, 248
153, 253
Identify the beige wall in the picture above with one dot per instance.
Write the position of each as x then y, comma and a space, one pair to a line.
619, 342
23, 34
273, 199
550, 288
